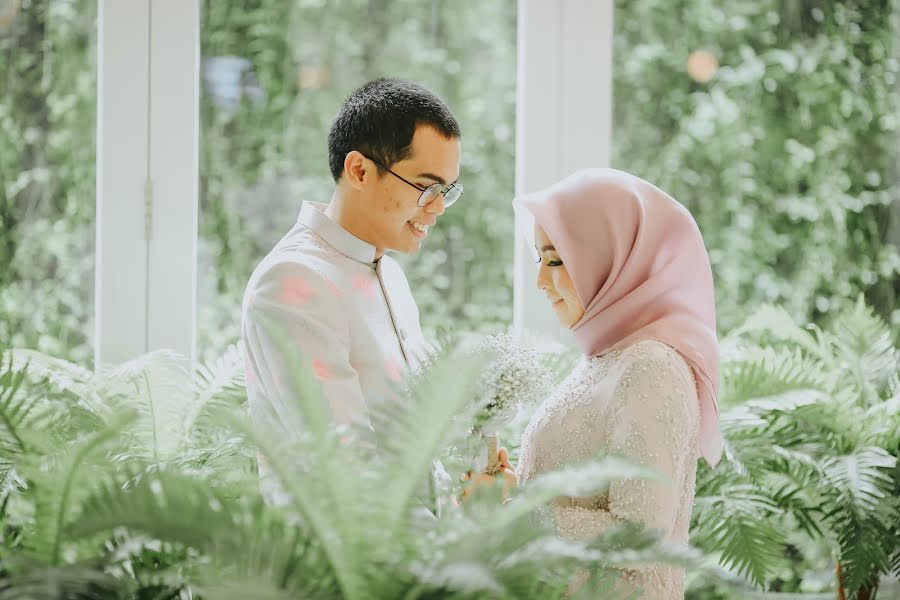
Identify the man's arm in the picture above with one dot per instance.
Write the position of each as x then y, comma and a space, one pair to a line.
297, 300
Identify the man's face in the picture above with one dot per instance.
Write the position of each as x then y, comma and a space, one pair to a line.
396, 221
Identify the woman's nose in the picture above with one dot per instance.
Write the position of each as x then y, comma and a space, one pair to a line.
543, 278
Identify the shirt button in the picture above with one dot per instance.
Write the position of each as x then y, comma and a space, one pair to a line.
403, 334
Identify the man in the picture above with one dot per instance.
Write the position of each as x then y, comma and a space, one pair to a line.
394, 153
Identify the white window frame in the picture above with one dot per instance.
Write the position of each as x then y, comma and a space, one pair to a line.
563, 123
147, 174
148, 144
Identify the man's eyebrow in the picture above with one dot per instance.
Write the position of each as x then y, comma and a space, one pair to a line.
548, 247
433, 177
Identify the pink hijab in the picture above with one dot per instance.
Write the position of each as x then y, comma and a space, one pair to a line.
639, 266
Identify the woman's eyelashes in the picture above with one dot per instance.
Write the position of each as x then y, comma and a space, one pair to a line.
551, 263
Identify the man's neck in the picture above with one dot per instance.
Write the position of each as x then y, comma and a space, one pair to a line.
341, 210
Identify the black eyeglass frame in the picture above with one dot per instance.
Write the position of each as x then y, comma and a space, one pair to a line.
435, 189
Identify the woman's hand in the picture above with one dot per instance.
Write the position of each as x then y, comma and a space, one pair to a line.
510, 482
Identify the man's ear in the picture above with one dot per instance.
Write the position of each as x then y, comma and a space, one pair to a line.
356, 168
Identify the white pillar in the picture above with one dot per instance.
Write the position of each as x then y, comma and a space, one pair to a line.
563, 119
122, 158
147, 158
174, 164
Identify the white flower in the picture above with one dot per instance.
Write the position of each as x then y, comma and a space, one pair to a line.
515, 377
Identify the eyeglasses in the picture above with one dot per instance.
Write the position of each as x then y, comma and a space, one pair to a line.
429, 194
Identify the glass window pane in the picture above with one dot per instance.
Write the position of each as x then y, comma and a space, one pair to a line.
274, 77
48, 83
776, 123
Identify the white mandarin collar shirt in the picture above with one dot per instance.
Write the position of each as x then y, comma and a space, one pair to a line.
352, 318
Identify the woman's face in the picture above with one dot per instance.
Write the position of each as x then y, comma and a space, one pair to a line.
553, 279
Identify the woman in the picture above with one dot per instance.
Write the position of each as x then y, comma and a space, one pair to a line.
624, 267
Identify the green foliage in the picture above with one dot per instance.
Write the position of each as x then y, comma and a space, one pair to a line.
812, 451
136, 503
787, 157
47, 177
106, 486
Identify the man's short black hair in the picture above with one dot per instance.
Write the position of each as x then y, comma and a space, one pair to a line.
379, 120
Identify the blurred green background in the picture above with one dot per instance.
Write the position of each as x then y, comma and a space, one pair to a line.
787, 154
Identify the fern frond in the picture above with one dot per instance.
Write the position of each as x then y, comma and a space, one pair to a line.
582, 479
770, 372
299, 464
33, 417
217, 386
166, 506
863, 549
58, 483
25, 578
243, 540
245, 587
863, 512
307, 462
408, 434
793, 492
62, 375
864, 341
15, 409
883, 423
158, 386
281, 559
778, 324
739, 522
895, 557
861, 480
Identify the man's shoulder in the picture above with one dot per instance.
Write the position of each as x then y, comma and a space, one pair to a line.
300, 252
294, 264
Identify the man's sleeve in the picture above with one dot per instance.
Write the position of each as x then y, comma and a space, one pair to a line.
298, 301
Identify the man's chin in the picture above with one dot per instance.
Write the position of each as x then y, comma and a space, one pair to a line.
406, 247
413, 248
409, 245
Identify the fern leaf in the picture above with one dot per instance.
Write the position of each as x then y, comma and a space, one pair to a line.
217, 386
58, 483
860, 480
310, 491
738, 522
778, 323
864, 340
158, 386
29, 579
409, 434
62, 375
770, 372
245, 542
583, 479
15, 409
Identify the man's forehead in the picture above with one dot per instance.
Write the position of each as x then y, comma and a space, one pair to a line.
426, 160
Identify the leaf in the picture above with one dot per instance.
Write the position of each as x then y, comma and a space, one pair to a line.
59, 482
738, 523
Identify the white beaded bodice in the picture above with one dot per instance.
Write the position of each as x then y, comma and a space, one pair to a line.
639, 402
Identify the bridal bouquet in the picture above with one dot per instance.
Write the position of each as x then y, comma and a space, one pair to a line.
515, 377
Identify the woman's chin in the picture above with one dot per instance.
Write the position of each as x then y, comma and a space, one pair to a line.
561, 316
